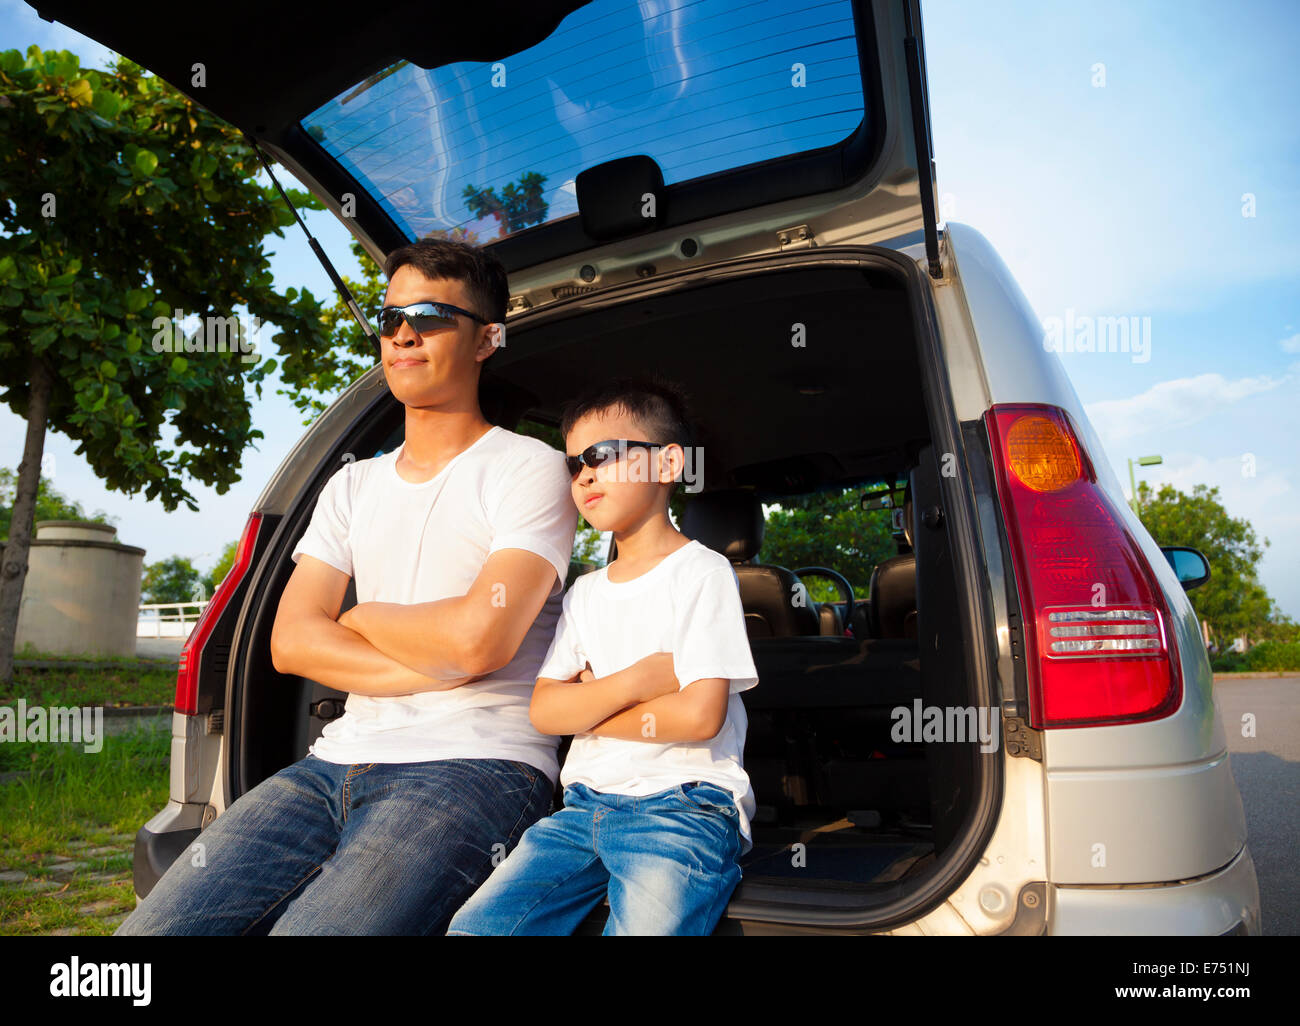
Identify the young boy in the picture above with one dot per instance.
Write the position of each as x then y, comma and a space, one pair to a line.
645, 672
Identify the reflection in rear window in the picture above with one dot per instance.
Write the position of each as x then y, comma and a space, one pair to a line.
701, 87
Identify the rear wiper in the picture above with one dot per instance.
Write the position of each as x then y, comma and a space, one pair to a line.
343, 290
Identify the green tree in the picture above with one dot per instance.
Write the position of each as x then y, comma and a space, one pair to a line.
517, 207
830, 529
50, 505
218, 573
123, 202
1233, 601
170, 580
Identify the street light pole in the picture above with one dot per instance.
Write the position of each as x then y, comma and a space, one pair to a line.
1142, 461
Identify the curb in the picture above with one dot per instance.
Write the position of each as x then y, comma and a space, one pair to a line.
111, 711
61, 664
1257, 675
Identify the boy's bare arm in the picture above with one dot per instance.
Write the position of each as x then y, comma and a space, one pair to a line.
694, 714
465, 636
571, 707
307, 640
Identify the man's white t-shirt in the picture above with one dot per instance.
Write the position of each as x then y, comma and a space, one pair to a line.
687, 604
410, 542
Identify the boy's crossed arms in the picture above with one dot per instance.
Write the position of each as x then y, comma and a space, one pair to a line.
642, 702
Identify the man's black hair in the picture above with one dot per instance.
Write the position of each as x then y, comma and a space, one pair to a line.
482, 272
657, 404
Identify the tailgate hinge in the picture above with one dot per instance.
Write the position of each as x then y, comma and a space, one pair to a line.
1022, 741
797, 237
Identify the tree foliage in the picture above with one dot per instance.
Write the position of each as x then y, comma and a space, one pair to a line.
1233, 601
517, 207
124, 202
173, 579
830, 529
50, 504
224, 562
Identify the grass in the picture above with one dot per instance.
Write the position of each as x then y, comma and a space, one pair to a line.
127, 686
71, 797
1266, 656
30, 652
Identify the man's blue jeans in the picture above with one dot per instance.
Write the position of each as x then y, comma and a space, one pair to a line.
667, 860
370, 848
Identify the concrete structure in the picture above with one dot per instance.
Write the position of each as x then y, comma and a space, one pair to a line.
82, 591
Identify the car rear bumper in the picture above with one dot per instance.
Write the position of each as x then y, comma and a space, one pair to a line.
162, 840
1223, 902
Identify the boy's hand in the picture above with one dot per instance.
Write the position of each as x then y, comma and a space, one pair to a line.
655, 676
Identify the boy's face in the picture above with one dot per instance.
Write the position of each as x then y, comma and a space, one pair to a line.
620, 493
438, 367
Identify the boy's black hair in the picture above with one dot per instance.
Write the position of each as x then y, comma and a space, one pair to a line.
482, 272
659, 405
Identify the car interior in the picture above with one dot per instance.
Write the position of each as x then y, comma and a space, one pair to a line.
840, 803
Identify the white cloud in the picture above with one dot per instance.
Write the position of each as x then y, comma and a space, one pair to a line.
1244, 482
1291, 345
1173, 403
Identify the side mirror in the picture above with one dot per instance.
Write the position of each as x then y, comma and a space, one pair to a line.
1191, 566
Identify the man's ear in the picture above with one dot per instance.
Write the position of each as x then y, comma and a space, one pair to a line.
494, 337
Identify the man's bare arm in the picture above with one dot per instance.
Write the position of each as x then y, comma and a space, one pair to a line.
306, 639
464, 636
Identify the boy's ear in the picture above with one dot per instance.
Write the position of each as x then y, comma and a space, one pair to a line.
672, 458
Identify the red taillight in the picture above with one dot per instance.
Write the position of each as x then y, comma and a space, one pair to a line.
1096, 626
187, 677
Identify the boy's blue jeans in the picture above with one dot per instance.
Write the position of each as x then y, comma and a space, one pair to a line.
369, 848
667, 860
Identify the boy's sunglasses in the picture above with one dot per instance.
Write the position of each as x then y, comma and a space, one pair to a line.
421, 317
602, 452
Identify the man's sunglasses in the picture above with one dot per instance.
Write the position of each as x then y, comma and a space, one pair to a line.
602, 452
421, 317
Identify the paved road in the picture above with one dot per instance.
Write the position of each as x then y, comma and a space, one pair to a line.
1267, 771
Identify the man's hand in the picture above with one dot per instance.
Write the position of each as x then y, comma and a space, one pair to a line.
464, 636
310, 639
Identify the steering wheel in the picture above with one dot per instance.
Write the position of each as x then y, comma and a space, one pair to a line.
841, 584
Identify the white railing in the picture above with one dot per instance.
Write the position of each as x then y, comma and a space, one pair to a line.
155, 620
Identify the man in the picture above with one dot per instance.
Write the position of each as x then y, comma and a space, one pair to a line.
459, 542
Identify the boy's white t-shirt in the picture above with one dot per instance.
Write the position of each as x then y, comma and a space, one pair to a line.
418, 542
687, 604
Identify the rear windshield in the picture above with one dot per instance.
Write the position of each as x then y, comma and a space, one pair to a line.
701, 87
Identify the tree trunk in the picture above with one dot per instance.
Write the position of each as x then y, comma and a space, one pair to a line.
14, 569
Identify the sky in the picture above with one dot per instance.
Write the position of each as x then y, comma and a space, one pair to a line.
1126, 160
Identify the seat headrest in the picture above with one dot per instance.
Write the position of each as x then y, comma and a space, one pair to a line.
730, 522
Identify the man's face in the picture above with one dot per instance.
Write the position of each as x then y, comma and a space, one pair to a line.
438, 367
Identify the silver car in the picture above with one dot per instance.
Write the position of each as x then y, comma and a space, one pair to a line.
1010, 727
